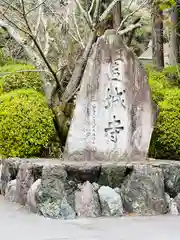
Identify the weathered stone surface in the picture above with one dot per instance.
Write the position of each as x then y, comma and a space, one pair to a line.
87, 201
24, 180
111, 203
55, 195
177, 201
10, 192
117, 190
113, 174
28, 173
143, 191
113, 118
84, 172
9, 172
95, 186
172, 205
31, 196
172, 178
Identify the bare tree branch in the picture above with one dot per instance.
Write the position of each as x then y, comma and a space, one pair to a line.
108, 10
33, 9
129, 28
85, 14
91, 7
131, 14
96, 13
77, 30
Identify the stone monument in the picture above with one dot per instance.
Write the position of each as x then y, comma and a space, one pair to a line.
114, 114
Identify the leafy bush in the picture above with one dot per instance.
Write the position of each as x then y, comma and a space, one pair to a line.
165, 142
17, 76
26, 123
158, 83
172, 73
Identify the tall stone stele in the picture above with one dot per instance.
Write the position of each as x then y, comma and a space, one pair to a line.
114, 114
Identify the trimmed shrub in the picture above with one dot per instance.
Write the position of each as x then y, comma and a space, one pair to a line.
26, 123
165, 142
172, 73
17, 76
158, 83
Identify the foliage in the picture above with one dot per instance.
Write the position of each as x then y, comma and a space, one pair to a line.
165, 142
158, 83
26, 123
173, 75
19, 76
165, 4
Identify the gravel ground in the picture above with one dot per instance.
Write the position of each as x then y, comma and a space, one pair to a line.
17, 224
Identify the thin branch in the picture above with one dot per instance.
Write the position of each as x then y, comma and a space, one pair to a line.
77, 30
33, 9
16, 36
10, 5
38, 24
108, 10
96, 13
91, 7
129, 5
131, 14
60, 22
129, 28
85, 14
15, 25
38, 46
130, 37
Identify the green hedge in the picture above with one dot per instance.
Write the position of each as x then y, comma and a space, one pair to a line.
165, 142
18, 76
158, 83
172, 73
26, 123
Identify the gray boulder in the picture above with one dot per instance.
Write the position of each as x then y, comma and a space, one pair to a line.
24, 180
55, 195
173, 210
87, 201
177, 201
172, 178
143, 191
9, 172
10, 192
28, 173
111, 203
31, 196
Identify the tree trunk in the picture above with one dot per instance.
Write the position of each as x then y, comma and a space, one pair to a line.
157, 37
175, 35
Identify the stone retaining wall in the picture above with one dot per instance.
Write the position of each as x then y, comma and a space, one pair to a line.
67, 190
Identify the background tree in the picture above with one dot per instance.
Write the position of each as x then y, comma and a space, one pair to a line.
157, 36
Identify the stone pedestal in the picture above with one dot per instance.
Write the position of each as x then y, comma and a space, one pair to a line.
68, 190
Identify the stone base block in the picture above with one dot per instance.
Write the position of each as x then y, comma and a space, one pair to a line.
62, 189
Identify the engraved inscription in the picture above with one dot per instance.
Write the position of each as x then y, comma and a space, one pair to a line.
115, 71
114, 129
94, 113
113, 95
